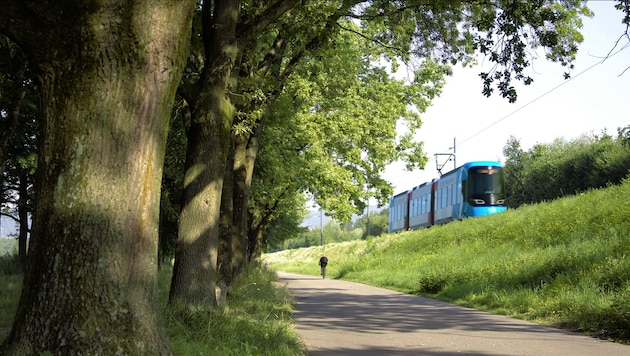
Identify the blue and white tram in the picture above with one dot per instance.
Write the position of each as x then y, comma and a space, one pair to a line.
474, 189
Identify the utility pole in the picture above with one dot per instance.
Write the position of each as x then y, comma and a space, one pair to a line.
454, 153
321, 227
368, 219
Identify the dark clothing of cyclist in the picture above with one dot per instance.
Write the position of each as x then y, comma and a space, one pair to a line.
323, 262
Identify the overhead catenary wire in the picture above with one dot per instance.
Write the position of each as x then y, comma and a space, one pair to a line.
469, 138
542, 95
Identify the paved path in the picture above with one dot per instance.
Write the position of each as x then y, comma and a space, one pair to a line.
336, 317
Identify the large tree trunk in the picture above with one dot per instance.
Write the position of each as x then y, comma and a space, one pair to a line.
195, 270
240, 194
108, 74
233, 240
246, 153
255, 240
224, 260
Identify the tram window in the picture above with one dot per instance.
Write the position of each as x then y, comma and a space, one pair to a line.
414, 207
417, 210
445, 198
449, 198
426, 204
487, 184
486, 181
454, 193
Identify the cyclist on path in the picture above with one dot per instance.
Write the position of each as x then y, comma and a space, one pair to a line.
323, 262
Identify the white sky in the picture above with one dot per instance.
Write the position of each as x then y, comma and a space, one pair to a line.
596, 99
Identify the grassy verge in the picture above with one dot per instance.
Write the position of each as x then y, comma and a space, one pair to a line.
9, 297
565, 263
256, 319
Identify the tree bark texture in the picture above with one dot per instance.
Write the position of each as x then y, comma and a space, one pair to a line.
240, 194
195, 270
224, 259
233, 236
108, 72
255, 240
245, 159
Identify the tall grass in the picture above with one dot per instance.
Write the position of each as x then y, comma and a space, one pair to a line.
9, 297
256, 319
564, 263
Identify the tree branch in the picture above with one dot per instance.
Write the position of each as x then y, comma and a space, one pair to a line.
13, 18
250, 28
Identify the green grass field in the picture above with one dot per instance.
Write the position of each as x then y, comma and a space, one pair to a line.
564, 263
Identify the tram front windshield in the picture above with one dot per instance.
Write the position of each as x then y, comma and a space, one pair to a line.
486, 181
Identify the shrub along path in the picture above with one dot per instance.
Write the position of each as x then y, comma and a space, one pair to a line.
337, 317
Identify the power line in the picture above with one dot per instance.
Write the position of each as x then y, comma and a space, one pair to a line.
431, 160
541, 96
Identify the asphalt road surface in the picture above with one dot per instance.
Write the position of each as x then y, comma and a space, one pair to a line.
336, 317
